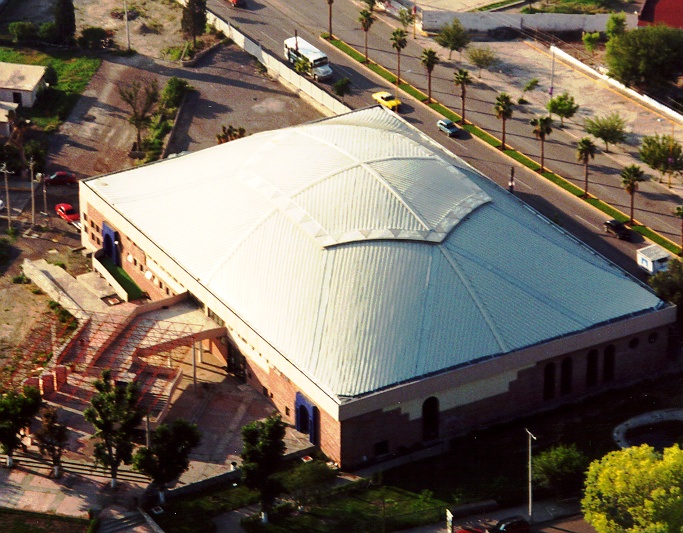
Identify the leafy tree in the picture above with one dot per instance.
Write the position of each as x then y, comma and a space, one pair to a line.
591, 41
262, 453
329, 17
309, 482
561, 469
481, 57
398, 43
462, 78
630, 177
542, 128
678, 213
141, 98
16, 412
230, 134
648, 55
585, 151
65, 21
370, 5
115, 412
342, 87
174, 91
52, 438
503, 109
453, 36
193, 21
429, 60
662, 153
563, 106
530, 86
47, 32
366, 19
406, 17
668, 284
616, 25
635, 490
609, 128
302, 65
22, 31
168, 454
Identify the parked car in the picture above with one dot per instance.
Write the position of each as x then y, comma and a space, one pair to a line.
618, 229
387, 100
448, 127
67, 212
513, 524
238, 3
2, 205
62, 177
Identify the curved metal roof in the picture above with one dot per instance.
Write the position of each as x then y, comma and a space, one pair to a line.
367, 254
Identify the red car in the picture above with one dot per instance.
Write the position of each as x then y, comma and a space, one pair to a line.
62, 177
67, 212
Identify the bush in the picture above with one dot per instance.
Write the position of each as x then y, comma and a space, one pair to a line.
48, 32
92, 37
21, 279
174, 91
23, 31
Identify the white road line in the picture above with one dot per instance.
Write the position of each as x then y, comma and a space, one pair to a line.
588, 222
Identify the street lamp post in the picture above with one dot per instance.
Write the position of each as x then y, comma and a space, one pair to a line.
531, 510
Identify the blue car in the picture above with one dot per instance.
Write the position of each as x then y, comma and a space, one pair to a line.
448, 127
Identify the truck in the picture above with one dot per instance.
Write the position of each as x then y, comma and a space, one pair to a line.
653, 259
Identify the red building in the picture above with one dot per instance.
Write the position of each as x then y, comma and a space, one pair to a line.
667, 12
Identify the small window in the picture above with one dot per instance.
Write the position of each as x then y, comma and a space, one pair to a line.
142, 268
653, 337
85, 216
135, 262
265, 392
286, 411
382, 448
98, 241
167, 291
633, 343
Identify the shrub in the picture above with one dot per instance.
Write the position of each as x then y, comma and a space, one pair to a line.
21, 279
48, 32
92, 37
23, 31
174, 91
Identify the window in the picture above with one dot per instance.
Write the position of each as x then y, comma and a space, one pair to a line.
286, 411
549, 381
430, 418
85, 216
592, 368
566, 376
608, 364
265, 392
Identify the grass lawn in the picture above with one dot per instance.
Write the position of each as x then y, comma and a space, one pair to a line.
120, 275
12, 521
74, 71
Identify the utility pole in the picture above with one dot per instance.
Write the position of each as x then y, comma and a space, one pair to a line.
531, 510
125, 18
47, 220
33, 195
7, 206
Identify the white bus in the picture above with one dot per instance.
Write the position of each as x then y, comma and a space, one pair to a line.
296, 48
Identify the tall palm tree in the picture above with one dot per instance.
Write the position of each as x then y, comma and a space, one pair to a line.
366, 20
398, 42
585, 150
542, 128
678, 212
504, 109
462, 78
630, 177
429, 60
329, 17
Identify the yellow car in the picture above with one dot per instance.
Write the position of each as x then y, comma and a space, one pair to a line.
387, 100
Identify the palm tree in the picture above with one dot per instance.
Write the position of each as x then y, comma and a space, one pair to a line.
398, 42
429, 60
542, 128
462, 78
585, 150
630, 177
366, 20
329, 17
678, 212
503, 108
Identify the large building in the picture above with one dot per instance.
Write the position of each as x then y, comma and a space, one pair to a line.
381, 292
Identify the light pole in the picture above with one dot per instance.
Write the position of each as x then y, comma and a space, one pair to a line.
125, 17
33, 196
531, 510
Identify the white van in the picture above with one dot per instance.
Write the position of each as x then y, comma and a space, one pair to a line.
296, 48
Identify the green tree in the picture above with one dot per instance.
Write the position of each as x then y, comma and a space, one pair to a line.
16, 412
193, 21
65, 21
115, 412
406, 17
262, 453
678, 213
561, 469
141, 98
668, 284
453, 36
542, 128
585, 151
563, 106
309, 482
429, 60
462, 78
649, 55
342, 87
366, 19
329, 17
398, 43
662, 153
631, 176
370, 5
52, 438
168, 455
503, 109
230, 133
616, 25
22, 31
481, 57
591, 41
635, 490
609, 128
302, 65
530, 86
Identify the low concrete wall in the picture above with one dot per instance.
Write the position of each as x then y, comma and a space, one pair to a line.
433, 21
99, 267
